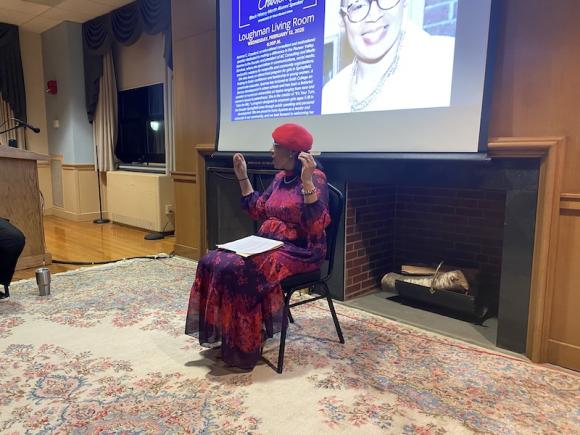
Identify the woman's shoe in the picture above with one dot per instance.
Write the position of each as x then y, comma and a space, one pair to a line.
6, 293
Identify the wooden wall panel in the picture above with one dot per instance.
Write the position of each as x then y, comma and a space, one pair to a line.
89, 191
564, 334
77, 183
536, 92
192, 17
187, 237
70, 190
195, 96
536, 89
195, 115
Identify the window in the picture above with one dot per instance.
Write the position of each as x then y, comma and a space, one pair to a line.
141, 141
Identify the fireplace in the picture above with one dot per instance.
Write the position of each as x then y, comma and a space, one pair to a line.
391, 225
472, 213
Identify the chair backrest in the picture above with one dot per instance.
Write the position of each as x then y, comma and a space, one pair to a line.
335, 207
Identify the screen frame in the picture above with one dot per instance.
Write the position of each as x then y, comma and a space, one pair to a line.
490, 62
483, 137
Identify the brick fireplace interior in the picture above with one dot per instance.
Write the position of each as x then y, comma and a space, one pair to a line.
389, 225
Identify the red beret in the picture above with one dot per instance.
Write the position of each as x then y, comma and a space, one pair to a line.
293, 137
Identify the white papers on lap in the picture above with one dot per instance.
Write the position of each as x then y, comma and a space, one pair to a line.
251, 245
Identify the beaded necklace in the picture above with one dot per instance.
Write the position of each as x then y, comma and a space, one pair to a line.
291, 180
357, 105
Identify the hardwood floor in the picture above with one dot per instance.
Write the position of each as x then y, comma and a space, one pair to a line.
87, 242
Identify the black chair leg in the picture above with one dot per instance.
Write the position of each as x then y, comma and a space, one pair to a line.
290, 316
333, 312
285, 316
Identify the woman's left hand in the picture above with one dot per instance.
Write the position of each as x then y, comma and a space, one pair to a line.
308, 167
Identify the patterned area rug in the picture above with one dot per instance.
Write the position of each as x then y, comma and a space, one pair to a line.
105, 353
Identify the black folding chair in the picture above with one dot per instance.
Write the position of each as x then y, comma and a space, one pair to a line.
314, 280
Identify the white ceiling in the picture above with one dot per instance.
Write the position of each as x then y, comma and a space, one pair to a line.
40, 15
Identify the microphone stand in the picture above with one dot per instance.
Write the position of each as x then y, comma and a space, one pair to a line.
96, 221
11, 128
100, 220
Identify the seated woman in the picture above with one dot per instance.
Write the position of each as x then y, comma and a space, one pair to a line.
237, 302
11, 246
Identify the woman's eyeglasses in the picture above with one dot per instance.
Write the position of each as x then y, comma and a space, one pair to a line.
358, 10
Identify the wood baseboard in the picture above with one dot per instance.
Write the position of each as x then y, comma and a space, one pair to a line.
76, 217
564, 354
34, 261
187, 251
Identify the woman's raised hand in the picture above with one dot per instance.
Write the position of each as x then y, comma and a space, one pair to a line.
308, 167
240, 166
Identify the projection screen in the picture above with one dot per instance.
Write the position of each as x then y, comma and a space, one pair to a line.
361, 75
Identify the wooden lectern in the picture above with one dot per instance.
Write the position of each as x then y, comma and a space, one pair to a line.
20, 202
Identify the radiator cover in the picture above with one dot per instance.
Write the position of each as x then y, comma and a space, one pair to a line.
140, 199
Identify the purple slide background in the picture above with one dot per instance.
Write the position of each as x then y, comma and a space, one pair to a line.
243, 23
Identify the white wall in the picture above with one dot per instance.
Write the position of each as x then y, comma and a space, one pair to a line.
62, 50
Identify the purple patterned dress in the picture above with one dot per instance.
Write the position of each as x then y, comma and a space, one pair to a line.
233, 299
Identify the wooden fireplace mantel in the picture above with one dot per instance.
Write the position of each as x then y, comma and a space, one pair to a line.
551, 152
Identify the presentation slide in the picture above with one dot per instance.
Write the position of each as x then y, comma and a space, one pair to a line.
362, 75
277, 66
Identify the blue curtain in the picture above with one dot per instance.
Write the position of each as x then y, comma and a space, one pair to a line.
124, 25
11, 74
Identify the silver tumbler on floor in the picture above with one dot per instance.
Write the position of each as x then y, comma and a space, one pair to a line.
43, 281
